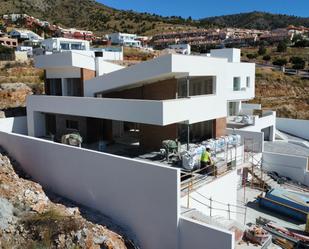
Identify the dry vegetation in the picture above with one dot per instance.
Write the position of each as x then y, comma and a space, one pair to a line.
272, 51
288, 95
17, 81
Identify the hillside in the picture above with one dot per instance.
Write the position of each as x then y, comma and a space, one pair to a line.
91, 15
288, 95
256, 20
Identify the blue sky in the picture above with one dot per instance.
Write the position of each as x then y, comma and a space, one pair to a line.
204, 8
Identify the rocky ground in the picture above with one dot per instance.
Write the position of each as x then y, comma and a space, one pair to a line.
17, 81
29, 219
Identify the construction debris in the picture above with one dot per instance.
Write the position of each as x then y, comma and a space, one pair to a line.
256, 234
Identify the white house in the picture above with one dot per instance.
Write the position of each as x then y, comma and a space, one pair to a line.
133, 110
55, 45
24, 34
62, 44
129, 40
181, 48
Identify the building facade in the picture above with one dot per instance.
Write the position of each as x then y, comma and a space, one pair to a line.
129, 40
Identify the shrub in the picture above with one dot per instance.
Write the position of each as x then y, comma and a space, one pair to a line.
282, 47
301, 44
280, 62
251, 56
6, 50
267, 57
298, 62
262, 50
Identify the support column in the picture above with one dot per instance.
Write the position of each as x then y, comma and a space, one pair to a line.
188, 86
188, 136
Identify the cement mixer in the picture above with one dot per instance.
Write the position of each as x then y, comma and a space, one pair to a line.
73, 139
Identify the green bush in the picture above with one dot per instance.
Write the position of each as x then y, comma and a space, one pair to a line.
280, 62
267, 57
251, 56
298, 62
301, 44
282, 47
6, 50
262, 50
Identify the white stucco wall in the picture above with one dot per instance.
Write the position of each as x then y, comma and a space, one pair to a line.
67, 59
247, 109
233, 54
295, 167
193, 236
139, 111
60, 73
252, 140
261, 123
296, 127
222, 189
169, 66
141, 196
14, 124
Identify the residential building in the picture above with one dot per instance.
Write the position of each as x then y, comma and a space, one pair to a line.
171, 94
181, 48
127, 113
55, 45
129, 40
8, 42
163, 83
65, 44
73, 33
24, 34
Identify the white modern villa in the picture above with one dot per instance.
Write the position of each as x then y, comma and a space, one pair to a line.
129, 40
126, 117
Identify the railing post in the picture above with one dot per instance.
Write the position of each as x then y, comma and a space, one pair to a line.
229, 210
210, 206
245, 216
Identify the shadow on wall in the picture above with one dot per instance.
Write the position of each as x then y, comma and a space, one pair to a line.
15, 125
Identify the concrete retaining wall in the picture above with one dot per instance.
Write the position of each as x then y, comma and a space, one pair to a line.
193, 236
142, 196
292, 166
296, 127
15, 125
252, 140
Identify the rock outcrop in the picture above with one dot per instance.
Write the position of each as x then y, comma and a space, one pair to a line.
29, 219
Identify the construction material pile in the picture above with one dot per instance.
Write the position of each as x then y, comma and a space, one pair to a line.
191, 158
257, 234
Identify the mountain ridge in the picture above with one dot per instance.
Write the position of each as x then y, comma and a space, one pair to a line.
92, 15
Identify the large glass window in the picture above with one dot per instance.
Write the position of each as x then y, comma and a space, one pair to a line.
76, 46
65, 46
72, 124
55, 87
74, 87
236, 84
198, 86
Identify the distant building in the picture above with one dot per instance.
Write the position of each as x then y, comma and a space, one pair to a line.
129, 40
181, 48
59, 44
24, 34
54, 45
8, 42
75, 34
